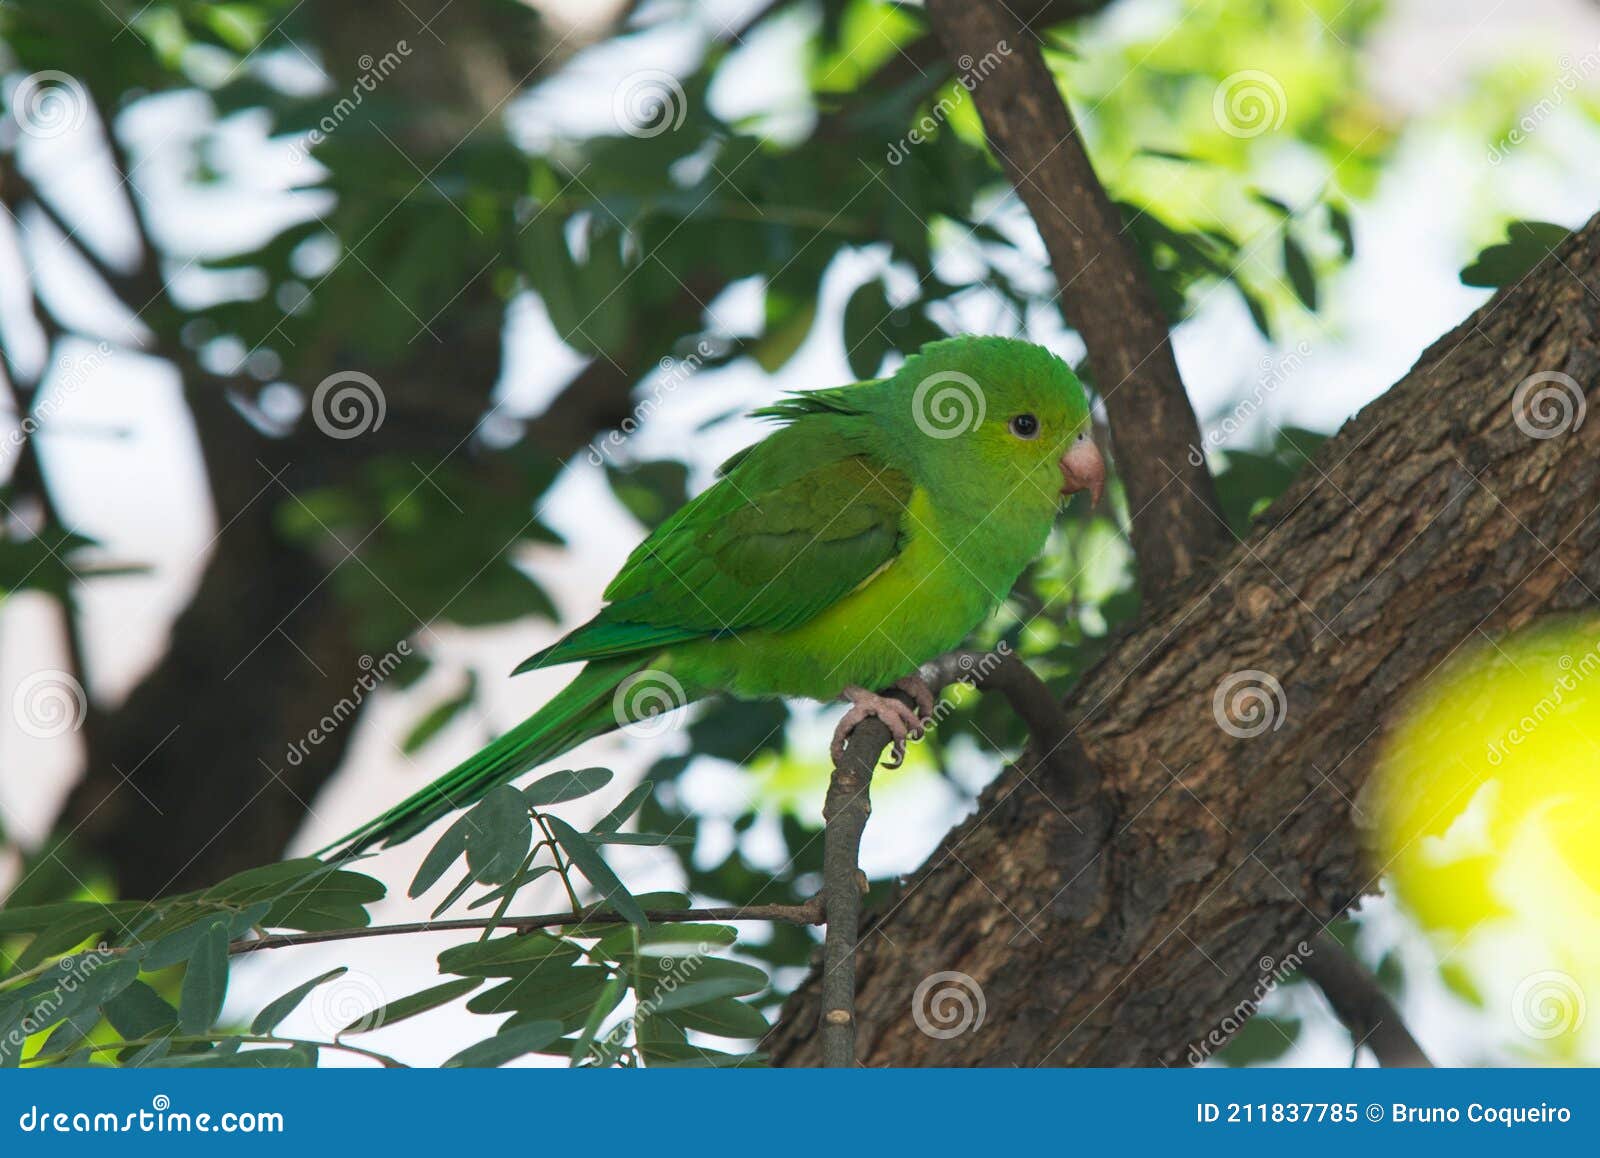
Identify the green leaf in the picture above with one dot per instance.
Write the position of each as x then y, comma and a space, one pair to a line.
1339, 222
36, 918
83, 924
515, 884
1459, 981
651, 491
139, 1012
205, 982
455, 894
784, 334
1527, 244
79, 983
610, 997
1298, 267
743, 979
413, 1005
682, 1055
865, 340
276, 1010
506, 956
300, 1056
625, 809
506, 1046
560, 787
550, 991
592, 865
267, 881
665, 1000
653, 839
444, 853
665, 939
499, 837
723, 1017
1281, 208
438, 717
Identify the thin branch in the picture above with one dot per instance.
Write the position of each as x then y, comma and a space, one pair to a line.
806, 914
1363, 1006
1049, 727
844, 815
848, 806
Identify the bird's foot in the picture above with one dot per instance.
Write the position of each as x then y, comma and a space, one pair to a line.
903, 722
917, 688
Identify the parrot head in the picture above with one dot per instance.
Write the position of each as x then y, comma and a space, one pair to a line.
998, 412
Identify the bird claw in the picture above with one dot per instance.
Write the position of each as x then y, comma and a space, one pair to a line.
917, 688
902, 721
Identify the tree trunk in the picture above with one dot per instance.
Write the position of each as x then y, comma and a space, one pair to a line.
1116, 927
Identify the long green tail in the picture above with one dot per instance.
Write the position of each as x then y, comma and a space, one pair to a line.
581, 710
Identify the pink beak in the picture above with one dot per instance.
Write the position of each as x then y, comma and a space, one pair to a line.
1082, 469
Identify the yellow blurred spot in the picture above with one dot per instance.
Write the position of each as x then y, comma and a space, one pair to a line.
1488, 819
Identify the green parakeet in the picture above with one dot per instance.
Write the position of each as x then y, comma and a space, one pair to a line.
871, 532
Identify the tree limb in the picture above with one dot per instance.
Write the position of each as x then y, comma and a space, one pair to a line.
844, 815
1362, 1005
1428, 521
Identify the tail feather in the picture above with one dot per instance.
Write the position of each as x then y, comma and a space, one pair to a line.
580, 711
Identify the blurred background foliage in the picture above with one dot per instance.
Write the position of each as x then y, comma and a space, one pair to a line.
410, 189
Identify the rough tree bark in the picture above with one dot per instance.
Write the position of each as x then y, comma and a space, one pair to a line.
1116, 926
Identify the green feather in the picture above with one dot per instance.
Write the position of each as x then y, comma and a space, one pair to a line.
851, 544
581, 710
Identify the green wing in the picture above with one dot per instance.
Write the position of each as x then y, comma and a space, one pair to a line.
793, 526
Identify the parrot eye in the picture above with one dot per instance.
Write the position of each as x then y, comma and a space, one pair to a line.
1025, 426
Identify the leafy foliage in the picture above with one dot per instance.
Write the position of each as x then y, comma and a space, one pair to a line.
91, 982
